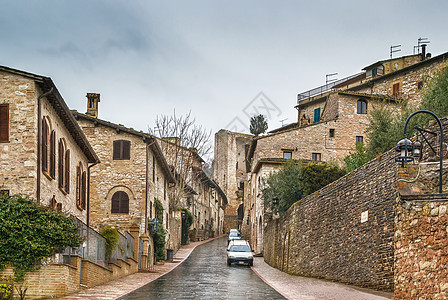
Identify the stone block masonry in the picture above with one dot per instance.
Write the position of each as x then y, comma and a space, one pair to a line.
343, 232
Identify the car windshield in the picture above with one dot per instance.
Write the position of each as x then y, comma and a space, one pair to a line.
234, 234
240, 248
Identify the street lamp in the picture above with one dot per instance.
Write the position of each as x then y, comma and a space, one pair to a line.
408, 149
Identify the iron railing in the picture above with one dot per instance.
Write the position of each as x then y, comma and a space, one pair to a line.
323, 89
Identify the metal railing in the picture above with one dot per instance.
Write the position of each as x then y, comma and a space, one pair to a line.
92, 248
140, 252
124, 248
323, 89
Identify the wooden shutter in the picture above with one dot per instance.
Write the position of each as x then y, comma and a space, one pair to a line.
4, 122
78, 186
124, 203
83, 190
117, 150
53, 154
67, 171
121, 150
120, 203
61, 164
44, 145
126, 150
396, 90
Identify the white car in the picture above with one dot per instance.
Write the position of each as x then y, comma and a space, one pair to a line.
233, 235
238, 251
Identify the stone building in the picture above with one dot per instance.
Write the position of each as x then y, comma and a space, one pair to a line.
44, 153
195, 190
230, 173
132, 176
332, 119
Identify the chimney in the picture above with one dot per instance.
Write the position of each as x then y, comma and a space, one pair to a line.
423, 51
92, 104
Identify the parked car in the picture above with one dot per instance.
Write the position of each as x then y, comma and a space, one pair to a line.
239, 252
234, 230
233, 235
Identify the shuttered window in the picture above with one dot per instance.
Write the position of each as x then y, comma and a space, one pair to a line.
61, 164
78, 185
44, 145
84, 190
120, 203
52, 170
4, 122
361, 107
317, 115
396, 90
122, 150
67, 171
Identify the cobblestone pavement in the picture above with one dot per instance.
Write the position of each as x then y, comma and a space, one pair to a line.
206, 275
297, 287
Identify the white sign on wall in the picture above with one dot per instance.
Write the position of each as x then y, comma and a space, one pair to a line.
364, 216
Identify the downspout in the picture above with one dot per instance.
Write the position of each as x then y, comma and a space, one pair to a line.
146, 186
88, 191
39, 137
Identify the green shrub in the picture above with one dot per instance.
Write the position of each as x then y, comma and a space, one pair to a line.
111, 236
158, 235
30, 232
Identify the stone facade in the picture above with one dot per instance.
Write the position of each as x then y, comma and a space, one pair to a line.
230, 173
143, 176
31, 100
343, 232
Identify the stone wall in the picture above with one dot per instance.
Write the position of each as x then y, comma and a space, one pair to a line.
343, 232
421, 248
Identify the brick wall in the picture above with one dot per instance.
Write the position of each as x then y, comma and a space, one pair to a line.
324, 236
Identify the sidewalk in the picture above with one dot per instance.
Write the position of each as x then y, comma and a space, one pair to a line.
117, 288
297, 287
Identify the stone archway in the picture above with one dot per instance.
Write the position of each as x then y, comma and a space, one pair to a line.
260, 235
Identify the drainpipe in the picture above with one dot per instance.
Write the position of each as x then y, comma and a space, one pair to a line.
39, 141
88, 191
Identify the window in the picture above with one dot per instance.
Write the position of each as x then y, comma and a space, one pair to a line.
362, 107
4, 122
81, 187
359, 139
120, 203
150, 210
166, 220
396, 90
61, 163
67, 171
317, 115
331, 134
45, 134
420, 85
316, 156
374, 72
287, 154
52, 169
122, 150
164, 189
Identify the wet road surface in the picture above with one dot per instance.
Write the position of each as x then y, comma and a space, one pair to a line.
205, 275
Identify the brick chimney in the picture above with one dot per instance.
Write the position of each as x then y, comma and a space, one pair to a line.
92, 104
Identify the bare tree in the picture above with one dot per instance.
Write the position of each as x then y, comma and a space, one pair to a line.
183, 143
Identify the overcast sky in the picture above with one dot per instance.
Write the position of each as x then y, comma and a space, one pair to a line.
221, 60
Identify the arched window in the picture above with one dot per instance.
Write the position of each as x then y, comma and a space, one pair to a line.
52, 169
362, 106
120, 203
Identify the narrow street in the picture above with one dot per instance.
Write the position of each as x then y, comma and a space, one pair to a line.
205, 275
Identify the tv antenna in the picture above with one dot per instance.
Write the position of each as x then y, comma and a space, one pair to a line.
283, 121
328, 78
394, 49
421, 41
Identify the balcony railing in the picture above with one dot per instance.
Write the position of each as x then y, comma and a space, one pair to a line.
325, 88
